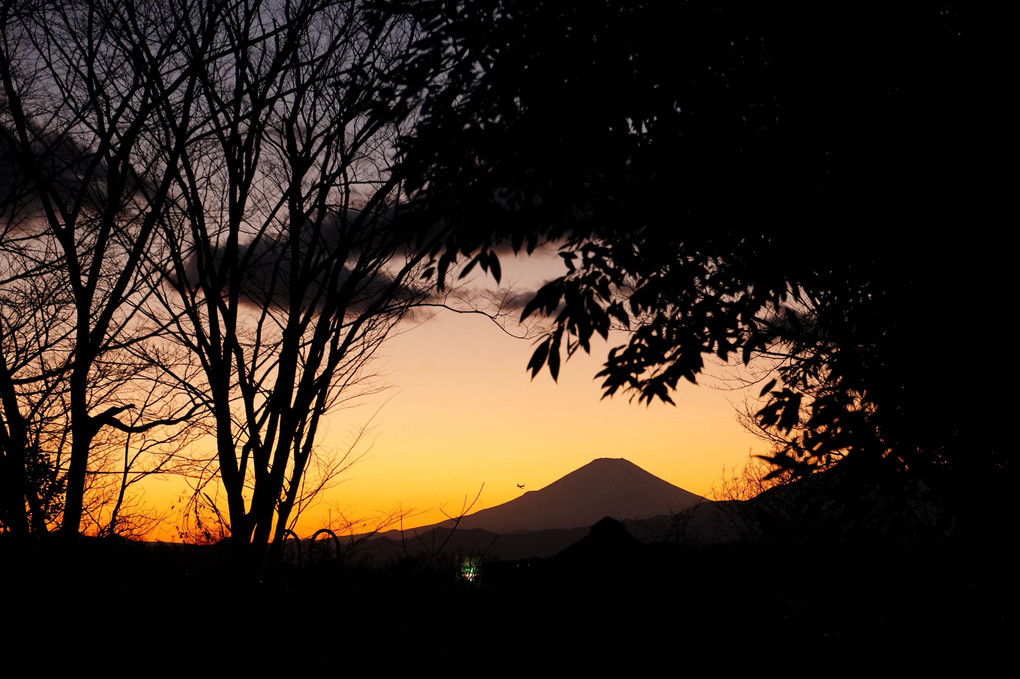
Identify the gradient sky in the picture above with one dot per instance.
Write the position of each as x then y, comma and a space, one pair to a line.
458, 409
461, 410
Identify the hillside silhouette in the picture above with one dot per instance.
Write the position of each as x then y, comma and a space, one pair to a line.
595, 593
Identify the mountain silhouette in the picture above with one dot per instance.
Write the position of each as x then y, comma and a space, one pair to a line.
604, 487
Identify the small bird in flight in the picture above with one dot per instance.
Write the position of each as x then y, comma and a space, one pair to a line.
521, 486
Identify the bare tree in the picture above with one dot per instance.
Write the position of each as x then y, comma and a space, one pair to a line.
293, 254
33, 335
85, 173
212, 182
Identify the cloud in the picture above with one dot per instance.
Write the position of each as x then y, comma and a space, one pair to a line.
344, 262
54, 163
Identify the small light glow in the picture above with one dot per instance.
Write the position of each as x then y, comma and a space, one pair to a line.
470, 568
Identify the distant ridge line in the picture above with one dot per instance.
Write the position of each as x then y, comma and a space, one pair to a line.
614, 487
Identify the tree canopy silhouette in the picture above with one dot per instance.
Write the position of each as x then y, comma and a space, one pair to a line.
811, 185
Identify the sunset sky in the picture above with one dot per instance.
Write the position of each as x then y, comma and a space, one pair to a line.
456, 408
461, 410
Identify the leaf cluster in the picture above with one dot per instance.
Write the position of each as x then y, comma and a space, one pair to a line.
724, 182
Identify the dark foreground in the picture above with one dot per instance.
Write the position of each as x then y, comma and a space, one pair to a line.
142, 610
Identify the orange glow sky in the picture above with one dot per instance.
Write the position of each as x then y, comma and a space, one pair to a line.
464, 412
461, 410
